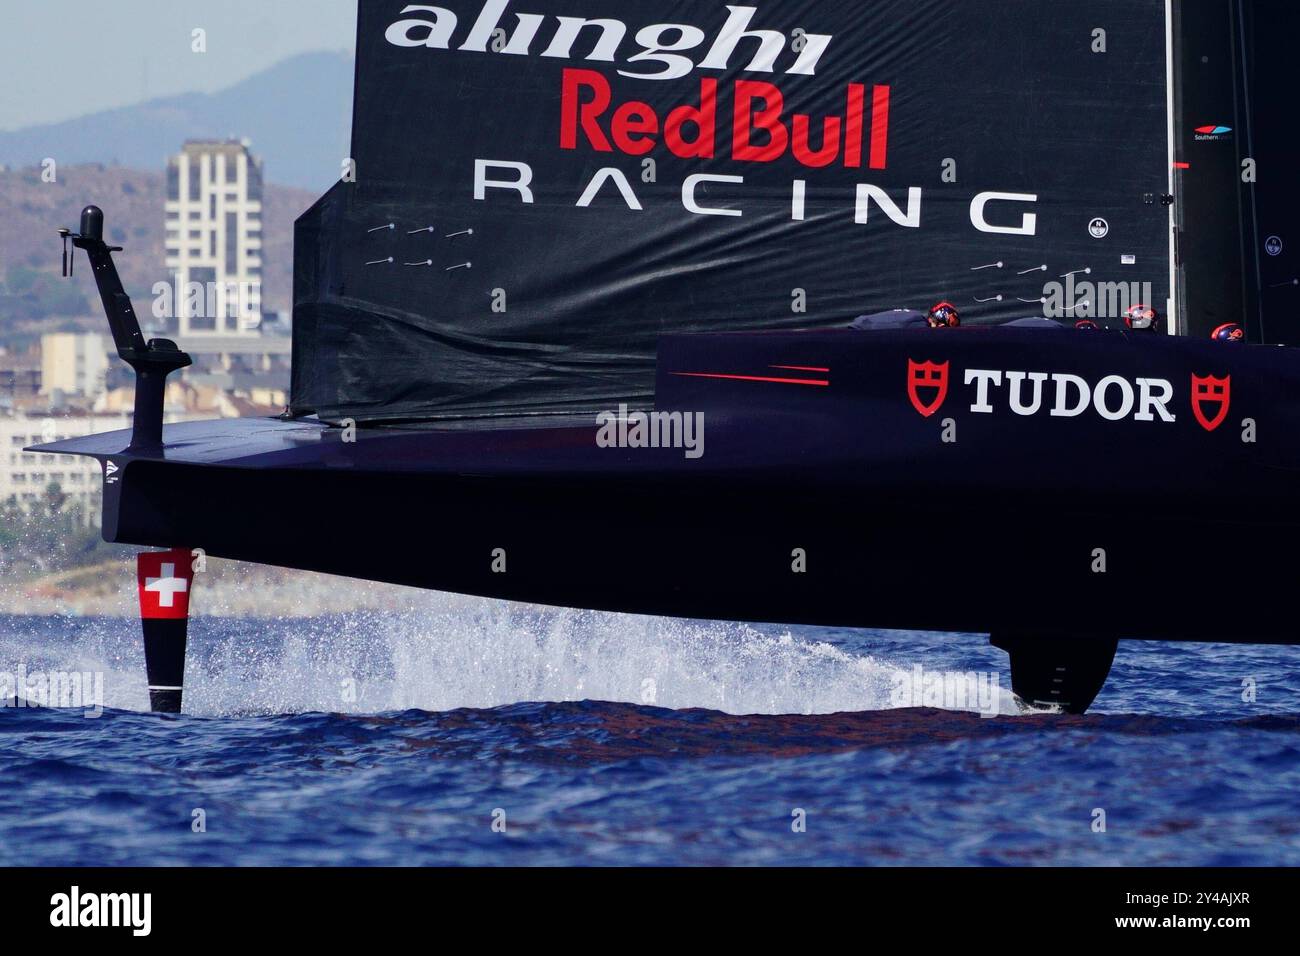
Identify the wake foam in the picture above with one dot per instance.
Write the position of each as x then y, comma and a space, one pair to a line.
453, 652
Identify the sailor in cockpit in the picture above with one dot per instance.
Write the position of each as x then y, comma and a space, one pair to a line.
942, 315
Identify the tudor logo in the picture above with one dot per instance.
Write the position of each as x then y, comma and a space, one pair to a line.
1208, 390
929, 376
1065, 395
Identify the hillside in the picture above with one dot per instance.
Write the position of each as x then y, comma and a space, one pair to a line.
34, 297
298, 115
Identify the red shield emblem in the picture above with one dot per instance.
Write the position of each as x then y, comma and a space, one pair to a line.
1211, 391
931, 377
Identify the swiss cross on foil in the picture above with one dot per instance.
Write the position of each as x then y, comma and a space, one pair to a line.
163, 580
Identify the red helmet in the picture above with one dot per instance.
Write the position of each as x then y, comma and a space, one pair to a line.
944, 316
1087, 325
1229, 332
1142, 318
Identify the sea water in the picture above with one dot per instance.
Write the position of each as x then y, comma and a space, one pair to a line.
474, 732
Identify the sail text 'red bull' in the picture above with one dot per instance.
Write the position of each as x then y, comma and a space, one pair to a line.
761, 130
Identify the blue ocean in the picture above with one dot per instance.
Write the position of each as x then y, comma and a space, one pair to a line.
482, 733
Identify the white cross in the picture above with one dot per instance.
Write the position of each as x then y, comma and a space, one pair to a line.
167, 586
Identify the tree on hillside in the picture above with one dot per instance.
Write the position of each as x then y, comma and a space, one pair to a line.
27, 294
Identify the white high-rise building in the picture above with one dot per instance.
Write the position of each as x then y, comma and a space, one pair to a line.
214, 238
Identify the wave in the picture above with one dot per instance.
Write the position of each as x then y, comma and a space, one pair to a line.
452, 652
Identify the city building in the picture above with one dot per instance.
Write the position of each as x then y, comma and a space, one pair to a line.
27, 478
75, 363
20, 377
214, 238
207, 396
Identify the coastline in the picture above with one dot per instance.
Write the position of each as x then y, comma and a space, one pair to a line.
224, 589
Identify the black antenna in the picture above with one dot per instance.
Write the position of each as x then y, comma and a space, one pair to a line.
153, 360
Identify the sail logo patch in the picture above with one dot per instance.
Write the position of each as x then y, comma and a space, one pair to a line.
659, 51
1208, 390
763, 128
933, 379
1211, 133
1066, 395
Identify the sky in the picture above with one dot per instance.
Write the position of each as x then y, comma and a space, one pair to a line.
141, 49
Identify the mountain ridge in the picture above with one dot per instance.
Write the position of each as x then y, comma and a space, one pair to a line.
33, 296
297, 114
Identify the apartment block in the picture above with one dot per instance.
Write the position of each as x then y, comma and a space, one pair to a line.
214, 238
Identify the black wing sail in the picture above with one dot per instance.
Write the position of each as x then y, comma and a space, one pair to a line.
542, 189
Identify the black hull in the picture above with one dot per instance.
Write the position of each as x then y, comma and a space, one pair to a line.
867, 497
1026, 523
725, 552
